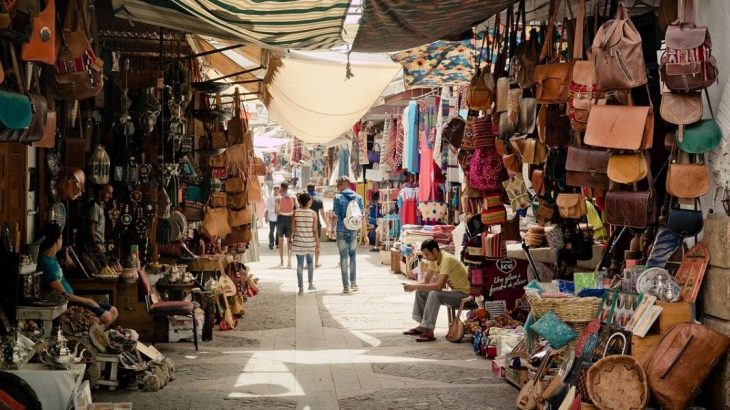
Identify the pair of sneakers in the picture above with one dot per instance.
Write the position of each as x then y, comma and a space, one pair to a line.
311, 288
350, 289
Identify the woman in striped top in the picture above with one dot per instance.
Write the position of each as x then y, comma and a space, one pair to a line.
304, 241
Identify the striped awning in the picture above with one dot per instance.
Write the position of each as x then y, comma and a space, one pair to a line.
298, 24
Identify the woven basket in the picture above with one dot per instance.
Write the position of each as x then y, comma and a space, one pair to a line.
567, 309
618, 383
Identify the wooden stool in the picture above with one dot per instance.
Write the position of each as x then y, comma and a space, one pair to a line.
111, 379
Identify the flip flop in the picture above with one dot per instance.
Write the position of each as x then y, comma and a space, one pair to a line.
413, 332
424, 338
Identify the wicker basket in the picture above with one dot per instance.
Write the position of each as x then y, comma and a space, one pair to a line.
618, 383
575, 312
567, 309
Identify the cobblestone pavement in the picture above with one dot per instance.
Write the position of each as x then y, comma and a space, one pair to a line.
325, 350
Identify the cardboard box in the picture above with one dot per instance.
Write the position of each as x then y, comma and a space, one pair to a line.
672, 314
642, 345
715, 292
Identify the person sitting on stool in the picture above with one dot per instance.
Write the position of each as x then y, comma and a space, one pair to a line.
53, 278
430, 295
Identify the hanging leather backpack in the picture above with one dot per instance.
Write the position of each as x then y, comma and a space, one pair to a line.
687, 63
617, 54
79, 71
552, 77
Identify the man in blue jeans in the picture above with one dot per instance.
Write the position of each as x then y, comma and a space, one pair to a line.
346, 238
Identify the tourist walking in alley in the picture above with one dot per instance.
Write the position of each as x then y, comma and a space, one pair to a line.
304, 241
349, 219
284, 210
271, 217
318, 208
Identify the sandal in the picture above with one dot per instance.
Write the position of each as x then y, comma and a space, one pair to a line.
425, 338
413, 332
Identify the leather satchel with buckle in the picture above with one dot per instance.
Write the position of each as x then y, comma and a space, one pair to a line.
587, 167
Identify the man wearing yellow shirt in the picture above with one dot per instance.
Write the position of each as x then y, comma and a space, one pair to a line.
431, 294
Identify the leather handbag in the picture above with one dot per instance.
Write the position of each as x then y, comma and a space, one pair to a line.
627, 168
218, 199
16, 112
684, 349
553, 125
688, 180
453, 131
514, 104
242, 234
620, 127
42, 44
528, 116
617, 54
685, 222
583, 91
587, 167
218, 140
552, 82
681, 108
235, 184
217, 161
555, 166
687, 63
258, 167
571, 206
512, 163
534, 152
79, 71
502, 100
238, 125
634, 209
240, 217
704, 136
525, 55
237, 200
537, 179
193, 211
215, 222
49, 133
480, 93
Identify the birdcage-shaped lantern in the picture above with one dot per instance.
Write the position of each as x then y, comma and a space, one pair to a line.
100, 165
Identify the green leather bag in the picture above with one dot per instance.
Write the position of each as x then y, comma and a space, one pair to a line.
700, 137
15, 111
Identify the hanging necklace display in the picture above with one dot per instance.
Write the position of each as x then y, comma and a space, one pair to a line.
114, 214
100, 164
140, 223
148, 108
126, 217
131, 174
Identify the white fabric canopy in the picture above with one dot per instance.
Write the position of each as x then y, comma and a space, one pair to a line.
314, 102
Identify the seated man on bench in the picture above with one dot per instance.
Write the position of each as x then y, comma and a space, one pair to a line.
430, 295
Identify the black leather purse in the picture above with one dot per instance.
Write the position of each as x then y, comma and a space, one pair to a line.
685, 222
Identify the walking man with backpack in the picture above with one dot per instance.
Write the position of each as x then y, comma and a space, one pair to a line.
348, 206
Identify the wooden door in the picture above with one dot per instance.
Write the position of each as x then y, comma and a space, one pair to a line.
13, 193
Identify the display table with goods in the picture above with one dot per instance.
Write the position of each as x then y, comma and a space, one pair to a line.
55, 388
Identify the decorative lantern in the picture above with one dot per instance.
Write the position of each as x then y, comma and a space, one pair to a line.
100, 166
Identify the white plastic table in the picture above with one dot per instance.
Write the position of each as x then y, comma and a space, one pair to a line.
55, 388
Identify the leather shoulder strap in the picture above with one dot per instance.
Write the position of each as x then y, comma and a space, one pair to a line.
578, 46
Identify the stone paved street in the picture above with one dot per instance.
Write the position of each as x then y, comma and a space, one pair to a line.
325, 350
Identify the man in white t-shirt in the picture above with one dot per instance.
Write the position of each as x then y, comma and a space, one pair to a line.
270, 216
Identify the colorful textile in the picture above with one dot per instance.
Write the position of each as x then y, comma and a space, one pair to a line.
393, 25
441, 63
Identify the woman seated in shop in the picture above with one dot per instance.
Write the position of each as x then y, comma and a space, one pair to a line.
53, 276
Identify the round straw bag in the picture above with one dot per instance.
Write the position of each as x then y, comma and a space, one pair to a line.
618, 383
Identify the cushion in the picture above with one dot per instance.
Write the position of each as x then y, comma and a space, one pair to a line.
554, 330
173, 307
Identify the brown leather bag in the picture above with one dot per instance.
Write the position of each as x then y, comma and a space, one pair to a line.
537, 179
534, 152
620, 127
237, 200
512, 164
687, 63
571, 206
49, 133
258, 167
79, 71
552, 77
634, 209
502, 100
553, 125
218, 199
480, 93
627, 168
42, 44
688, 180
525, 55
217, 161
242, 234
681, 109
684, 349
583, 91
215, 222
587, 167
194, 211
617, 54
235, 184
218, 140
238, 125
453, 131
240, 217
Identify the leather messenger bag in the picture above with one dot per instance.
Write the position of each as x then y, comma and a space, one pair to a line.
587, 167
620, 127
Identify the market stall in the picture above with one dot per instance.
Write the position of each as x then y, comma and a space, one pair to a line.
144, 181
